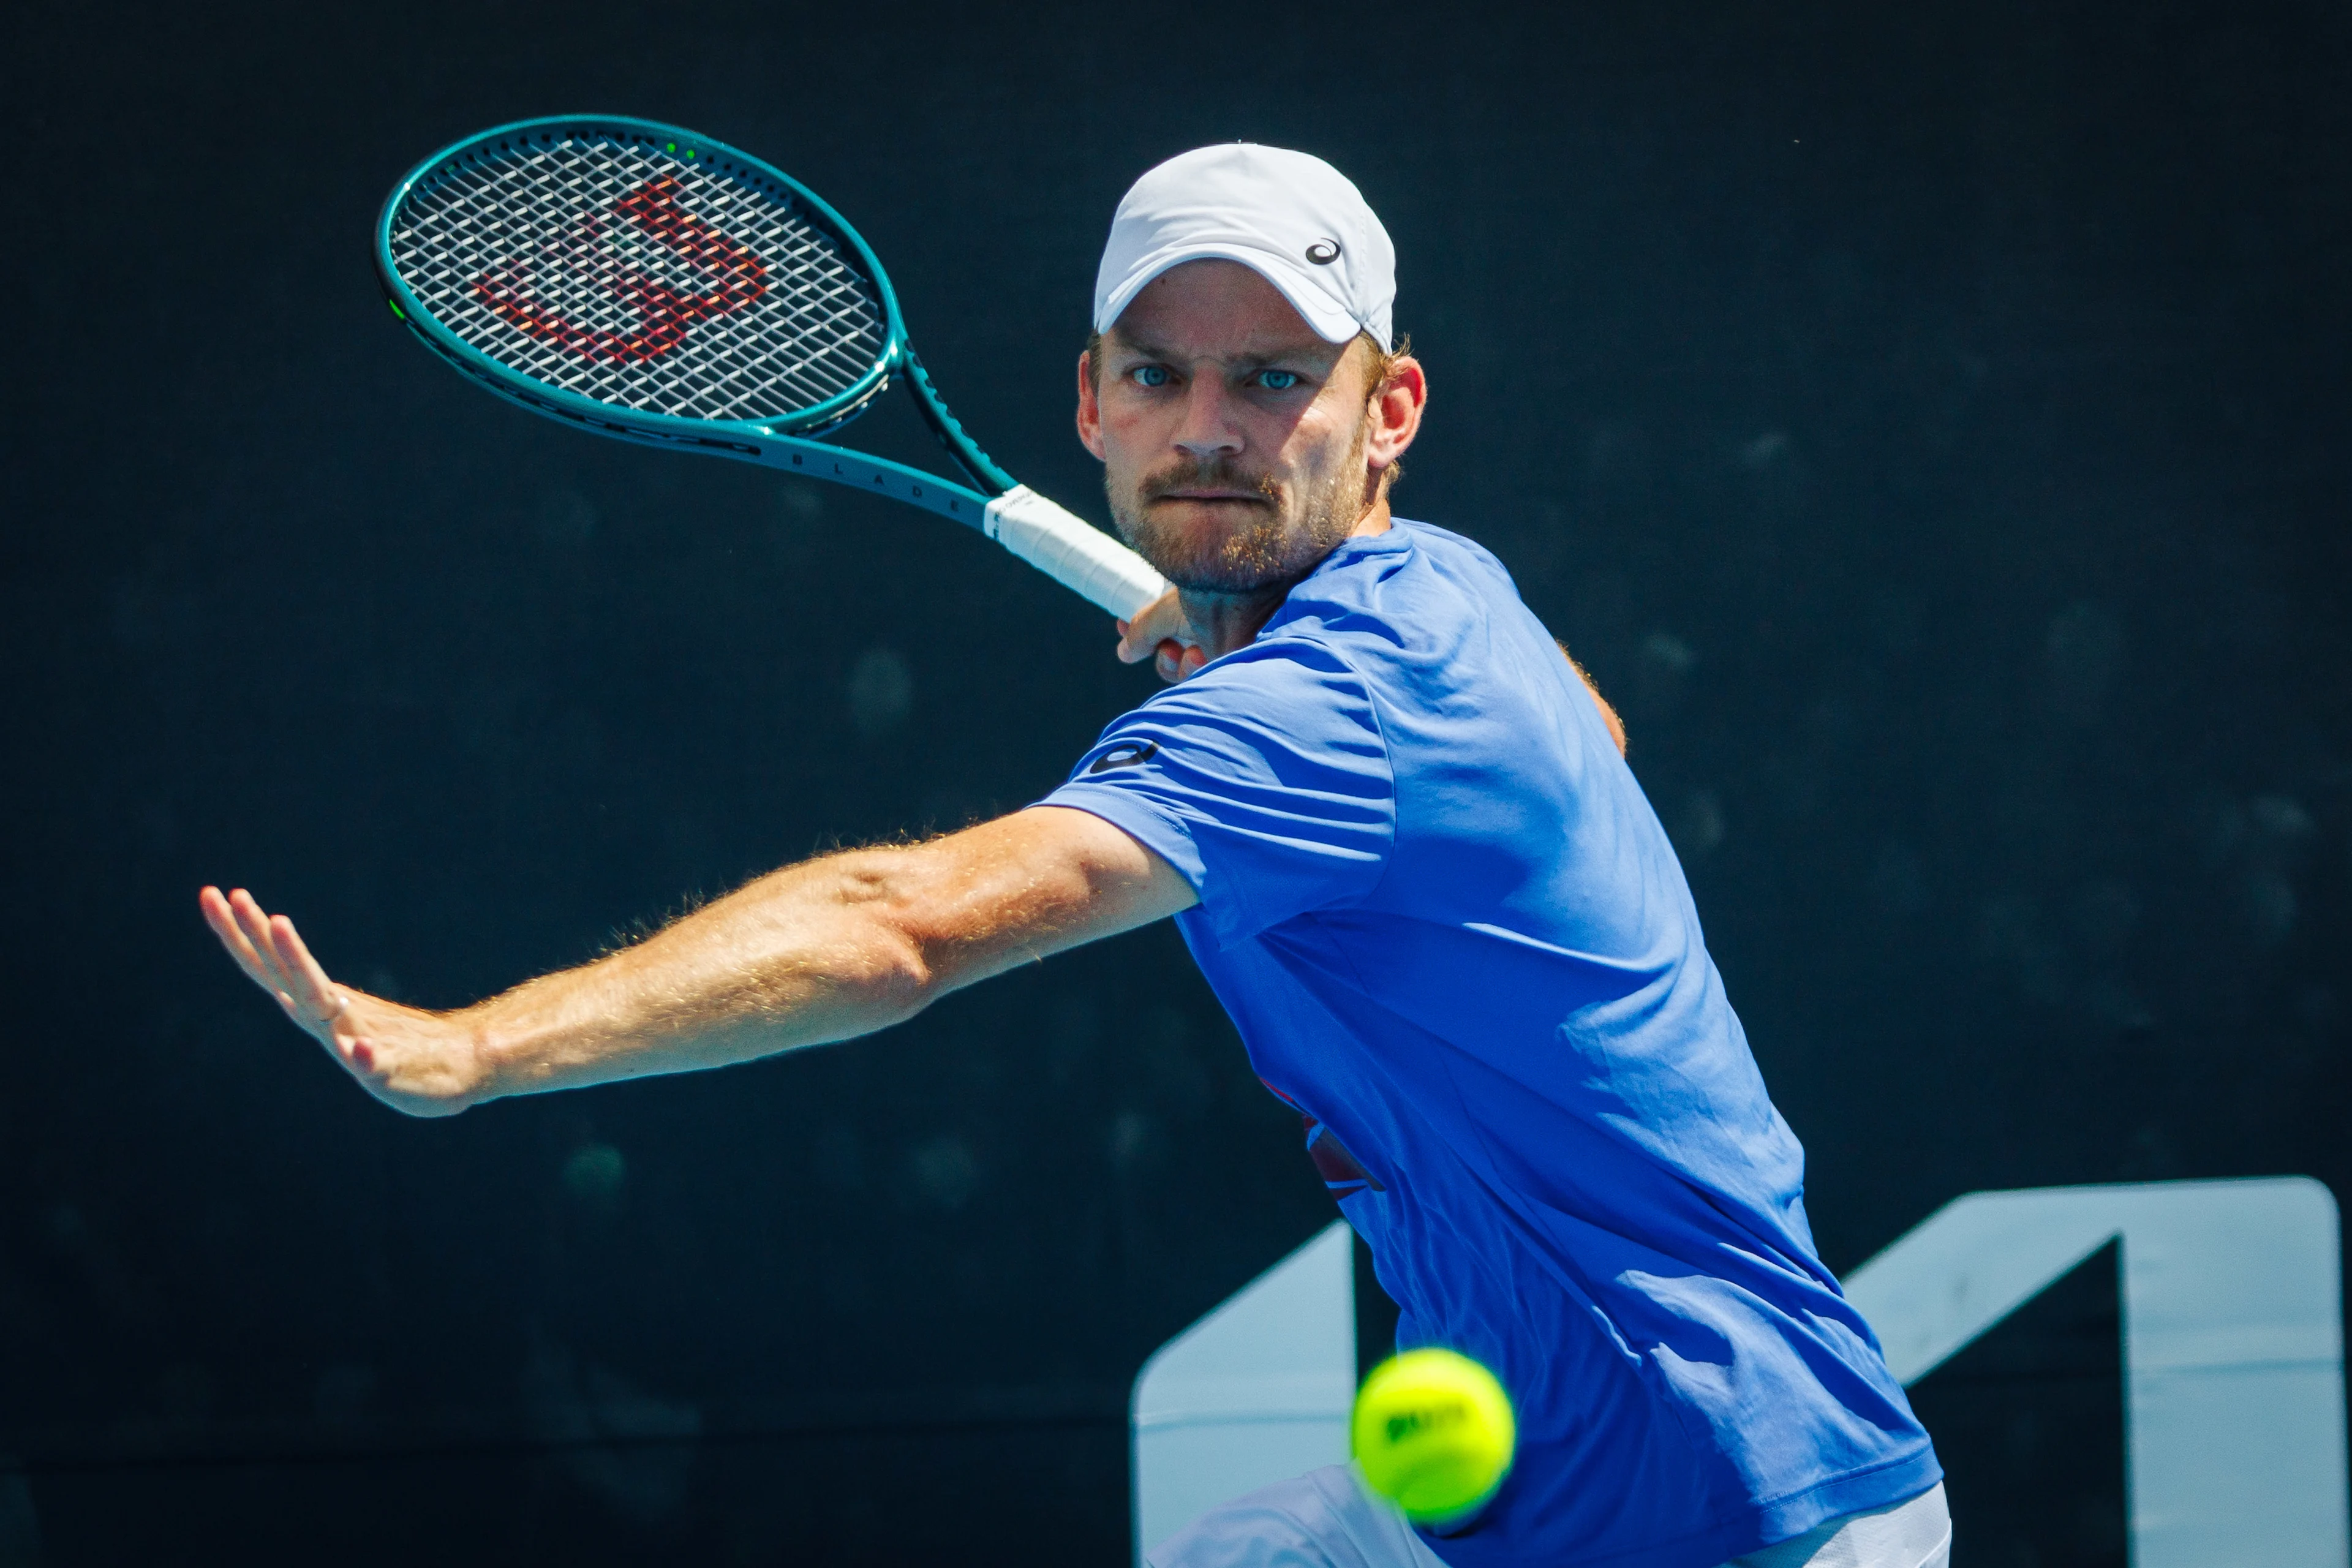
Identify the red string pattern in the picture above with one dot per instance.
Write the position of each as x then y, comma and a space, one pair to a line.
664, 314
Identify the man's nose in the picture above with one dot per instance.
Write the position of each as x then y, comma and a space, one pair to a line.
1207, 430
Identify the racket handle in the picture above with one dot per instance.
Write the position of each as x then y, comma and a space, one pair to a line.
1073, 551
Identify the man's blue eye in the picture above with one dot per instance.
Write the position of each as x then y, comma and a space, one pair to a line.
1278, 380
1148, 376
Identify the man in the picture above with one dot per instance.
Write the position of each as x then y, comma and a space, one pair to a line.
1395, 827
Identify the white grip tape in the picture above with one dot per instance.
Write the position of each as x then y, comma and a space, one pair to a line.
1071, 552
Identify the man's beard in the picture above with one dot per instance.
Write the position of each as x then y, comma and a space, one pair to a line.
1274, 540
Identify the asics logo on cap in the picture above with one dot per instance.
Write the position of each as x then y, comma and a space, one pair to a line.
1323, 252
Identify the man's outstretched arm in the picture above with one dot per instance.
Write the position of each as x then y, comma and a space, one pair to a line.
824, 951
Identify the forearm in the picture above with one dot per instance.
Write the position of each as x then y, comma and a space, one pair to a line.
826, 951
805, 955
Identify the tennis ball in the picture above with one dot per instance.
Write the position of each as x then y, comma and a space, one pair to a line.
1434, 1432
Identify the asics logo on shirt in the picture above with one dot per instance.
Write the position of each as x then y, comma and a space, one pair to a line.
1125, 755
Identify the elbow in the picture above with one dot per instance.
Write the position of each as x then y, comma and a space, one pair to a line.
931, 920
896, 978
887, 963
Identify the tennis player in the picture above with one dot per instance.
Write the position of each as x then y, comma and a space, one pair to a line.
1393, 823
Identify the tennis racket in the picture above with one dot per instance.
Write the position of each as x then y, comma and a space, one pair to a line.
642, 281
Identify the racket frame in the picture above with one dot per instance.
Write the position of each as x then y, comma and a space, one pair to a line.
787, 444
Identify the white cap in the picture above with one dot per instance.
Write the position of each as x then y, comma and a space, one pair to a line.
1293, 219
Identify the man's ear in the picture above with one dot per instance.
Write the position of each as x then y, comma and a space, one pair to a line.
1089, 410
1397, 405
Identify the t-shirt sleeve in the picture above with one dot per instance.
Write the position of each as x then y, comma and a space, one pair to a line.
1264, 780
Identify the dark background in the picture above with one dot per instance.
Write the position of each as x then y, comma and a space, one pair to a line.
1927, 421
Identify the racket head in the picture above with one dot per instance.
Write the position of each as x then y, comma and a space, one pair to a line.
640, 278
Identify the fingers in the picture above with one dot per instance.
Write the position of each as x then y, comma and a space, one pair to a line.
311, 990
1176, 661
1157, 621
253, 925
1161, 633
273, 956
221, 914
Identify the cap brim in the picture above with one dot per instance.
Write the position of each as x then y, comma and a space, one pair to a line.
1328, 320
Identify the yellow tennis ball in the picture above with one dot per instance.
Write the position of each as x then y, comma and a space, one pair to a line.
1434, 1432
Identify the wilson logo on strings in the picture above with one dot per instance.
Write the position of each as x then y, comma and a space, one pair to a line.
665, 312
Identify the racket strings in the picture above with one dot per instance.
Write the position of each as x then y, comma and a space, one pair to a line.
610, 269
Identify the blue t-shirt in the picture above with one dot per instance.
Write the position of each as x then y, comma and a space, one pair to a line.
1453, 936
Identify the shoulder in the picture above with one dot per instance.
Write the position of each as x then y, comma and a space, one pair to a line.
1446, 545
1407, 582
1379, 612
1414, 606
1466, 569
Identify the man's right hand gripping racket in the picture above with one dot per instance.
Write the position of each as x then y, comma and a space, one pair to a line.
641, 281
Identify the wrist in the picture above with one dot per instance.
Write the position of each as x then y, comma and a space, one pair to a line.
491, 1055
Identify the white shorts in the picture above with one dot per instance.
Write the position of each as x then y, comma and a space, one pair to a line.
1325, 1518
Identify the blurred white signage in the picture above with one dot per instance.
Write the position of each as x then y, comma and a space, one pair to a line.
2233, 1359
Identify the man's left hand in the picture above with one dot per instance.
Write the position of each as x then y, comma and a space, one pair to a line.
1161, 633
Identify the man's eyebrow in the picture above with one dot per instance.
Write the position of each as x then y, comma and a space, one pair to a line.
1125, 344
1259, 362
1147, 350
